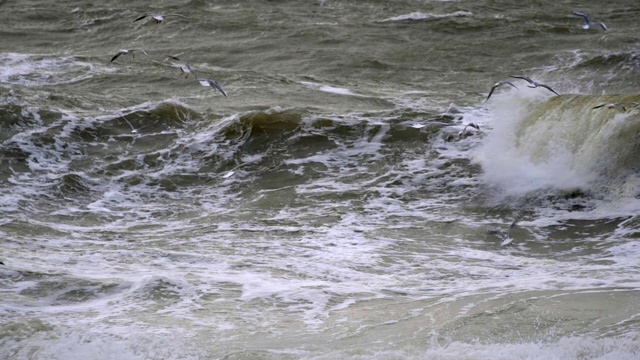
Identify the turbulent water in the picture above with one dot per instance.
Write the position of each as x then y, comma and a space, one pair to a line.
338, 204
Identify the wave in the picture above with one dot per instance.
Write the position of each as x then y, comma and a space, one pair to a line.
568, 143
43, 70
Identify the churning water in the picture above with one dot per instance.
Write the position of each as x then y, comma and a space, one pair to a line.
336, 205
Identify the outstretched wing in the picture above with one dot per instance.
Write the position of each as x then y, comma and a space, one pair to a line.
214, 84
493, 88
117, 55
498, 84
583, 16
141, 17
548, 88
217, 86
523, 78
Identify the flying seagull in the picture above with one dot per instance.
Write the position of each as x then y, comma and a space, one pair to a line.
213, 84
125, 51
622, 106
498, 84
185, 68
534, 84
588, 23
158, 18
505, 236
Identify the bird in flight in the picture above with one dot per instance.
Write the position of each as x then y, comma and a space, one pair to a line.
125, 51
534, 84
185, 68
587, 21
158, 18
498, 84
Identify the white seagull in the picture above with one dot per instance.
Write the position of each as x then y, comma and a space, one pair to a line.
534, 84
125, 51
588, 23
498, 84
185, 68
213, 84
158, 18
505, 236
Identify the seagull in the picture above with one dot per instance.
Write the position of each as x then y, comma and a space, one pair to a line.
158, 18
588, 22
534, 84
622, 106
506, 239
212, 83
472, 124
498, 84
185, 68
125, 51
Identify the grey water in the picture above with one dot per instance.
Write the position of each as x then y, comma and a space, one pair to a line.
336, 205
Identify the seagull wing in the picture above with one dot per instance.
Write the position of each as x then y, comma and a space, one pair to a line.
548, 88
498, 84
217, 86
214, 84
173, 57
599, 106
141, 17
583, 16
117, 55
509, 83
602, 25
523, 78
492, 89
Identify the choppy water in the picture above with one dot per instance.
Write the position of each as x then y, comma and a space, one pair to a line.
334, 206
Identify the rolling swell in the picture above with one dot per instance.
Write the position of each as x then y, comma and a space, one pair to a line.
153, 149
567, 144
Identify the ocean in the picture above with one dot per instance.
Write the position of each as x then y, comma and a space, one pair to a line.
358, 194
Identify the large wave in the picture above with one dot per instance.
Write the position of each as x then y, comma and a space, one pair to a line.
567, 143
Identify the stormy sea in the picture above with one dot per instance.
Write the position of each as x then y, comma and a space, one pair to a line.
334, 179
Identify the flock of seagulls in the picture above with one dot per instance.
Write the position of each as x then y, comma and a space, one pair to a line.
185, 68
535, 84
506, 235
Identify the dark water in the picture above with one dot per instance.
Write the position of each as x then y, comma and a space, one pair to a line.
337, 205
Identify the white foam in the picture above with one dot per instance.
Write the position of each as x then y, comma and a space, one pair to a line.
417, 15
557, 148
42, 70
329, 89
